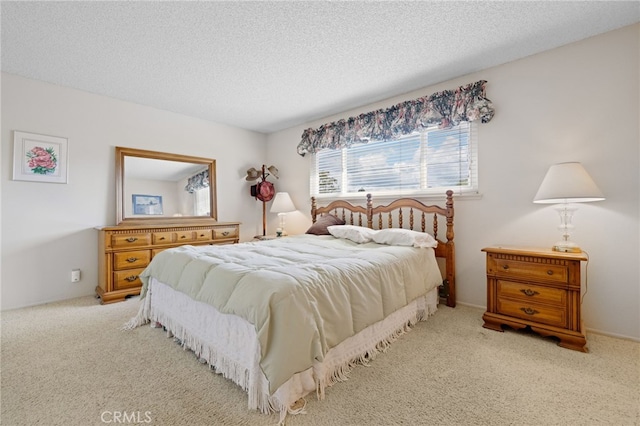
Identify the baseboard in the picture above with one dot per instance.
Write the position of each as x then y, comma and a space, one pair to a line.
484, 308
608, 334
589, 330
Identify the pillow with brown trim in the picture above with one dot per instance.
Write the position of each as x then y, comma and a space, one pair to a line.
320, 227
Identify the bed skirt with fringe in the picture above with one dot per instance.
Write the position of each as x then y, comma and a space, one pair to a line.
229, 345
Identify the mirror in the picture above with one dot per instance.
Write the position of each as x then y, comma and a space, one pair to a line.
160, 187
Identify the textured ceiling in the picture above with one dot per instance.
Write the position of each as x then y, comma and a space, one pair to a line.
266, 65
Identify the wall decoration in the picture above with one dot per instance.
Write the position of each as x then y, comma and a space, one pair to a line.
39, 158
147, 204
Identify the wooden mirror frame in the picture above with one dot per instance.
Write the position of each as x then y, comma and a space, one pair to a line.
121, 217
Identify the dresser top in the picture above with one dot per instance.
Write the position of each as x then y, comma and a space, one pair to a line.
163, 225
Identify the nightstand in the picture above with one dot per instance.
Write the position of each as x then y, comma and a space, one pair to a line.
535, 288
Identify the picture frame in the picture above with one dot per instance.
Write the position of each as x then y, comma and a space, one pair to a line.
40, 158
147, 205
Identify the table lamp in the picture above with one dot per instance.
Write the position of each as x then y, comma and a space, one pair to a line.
563, 184
282, 205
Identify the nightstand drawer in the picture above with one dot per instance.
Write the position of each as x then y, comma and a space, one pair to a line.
530, 270
550, 315
131, 259
531, 293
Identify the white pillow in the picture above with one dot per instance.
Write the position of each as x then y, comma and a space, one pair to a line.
404, 237
357, 234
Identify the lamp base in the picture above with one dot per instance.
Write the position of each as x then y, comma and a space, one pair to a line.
566, 247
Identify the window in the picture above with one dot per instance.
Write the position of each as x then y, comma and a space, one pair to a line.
425, 163
201, 201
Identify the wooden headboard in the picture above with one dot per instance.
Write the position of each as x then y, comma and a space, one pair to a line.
404, 213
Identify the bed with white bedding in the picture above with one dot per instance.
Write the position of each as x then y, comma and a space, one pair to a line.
286, 317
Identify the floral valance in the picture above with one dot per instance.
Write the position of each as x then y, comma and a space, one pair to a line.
443, 109
198, 181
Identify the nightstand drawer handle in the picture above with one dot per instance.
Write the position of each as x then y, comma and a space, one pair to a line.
529, 311
131, 278
131, 239
132, 259
225, 233
505, 267
529, 292
549, 272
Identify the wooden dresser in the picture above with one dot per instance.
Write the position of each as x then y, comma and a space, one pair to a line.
125, 251
538, 288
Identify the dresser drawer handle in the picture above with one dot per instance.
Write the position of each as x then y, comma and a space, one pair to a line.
131, 239
183, 236
162, 238
202, 235
225, 233
549, 272
132, 259
529, 292
529, 311
505, 267
131, 278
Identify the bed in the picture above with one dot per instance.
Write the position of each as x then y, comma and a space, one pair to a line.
286, 317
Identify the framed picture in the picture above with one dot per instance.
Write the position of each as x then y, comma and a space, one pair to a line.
39, 158
147, 204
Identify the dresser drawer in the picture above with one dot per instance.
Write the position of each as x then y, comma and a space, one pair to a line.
119, 241
222, 233
162, 237
203, 235
185, 236
127, 278
556, 316
529, 270
131, 259
531, 293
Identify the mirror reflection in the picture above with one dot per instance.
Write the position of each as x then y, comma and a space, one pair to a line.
156, 185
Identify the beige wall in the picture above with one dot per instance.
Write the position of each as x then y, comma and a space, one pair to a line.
48, 229
576, 103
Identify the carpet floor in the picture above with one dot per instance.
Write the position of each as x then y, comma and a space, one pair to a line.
68, 363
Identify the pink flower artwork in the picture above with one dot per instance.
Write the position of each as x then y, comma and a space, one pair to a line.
42, 161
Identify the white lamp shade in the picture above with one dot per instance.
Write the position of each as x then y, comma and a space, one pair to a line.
567, 183
282, 203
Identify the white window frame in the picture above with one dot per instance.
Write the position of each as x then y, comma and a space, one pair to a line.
471, 189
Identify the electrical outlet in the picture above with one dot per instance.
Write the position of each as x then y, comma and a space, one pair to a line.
75, 275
